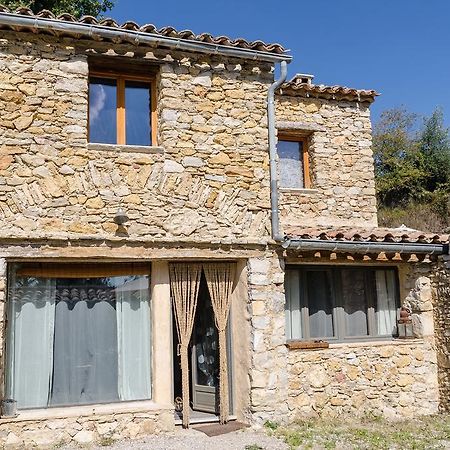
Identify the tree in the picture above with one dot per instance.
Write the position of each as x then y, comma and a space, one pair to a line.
412, 170
77, 8
395, 153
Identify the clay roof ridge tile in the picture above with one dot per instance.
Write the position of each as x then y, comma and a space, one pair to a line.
45, 13
130, 25
67, 17
91, 20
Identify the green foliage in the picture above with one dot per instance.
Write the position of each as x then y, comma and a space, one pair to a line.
77, 8
412, 166
270, 425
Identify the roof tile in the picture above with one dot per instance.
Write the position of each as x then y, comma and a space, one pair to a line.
378, 234
298, 86
151, 29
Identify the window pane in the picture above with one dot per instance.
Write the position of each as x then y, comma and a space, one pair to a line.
293, 307
354, 302
386, 310
320, 304
290, 155
137, 110
76, 340
85, 348
102, 110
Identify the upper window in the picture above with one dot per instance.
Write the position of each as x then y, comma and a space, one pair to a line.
78, 334
121, 110
293, 163
334, 303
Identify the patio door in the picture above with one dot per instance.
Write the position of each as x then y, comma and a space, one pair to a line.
205, 356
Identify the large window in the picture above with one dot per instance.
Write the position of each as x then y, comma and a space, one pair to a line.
121, 110
334, 303
293, 163
78, 334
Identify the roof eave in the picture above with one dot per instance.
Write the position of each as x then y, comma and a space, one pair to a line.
94, 31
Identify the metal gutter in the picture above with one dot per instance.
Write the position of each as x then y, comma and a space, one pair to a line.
275, 218
365, 247
92, 31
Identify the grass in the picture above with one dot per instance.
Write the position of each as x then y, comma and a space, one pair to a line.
425, 433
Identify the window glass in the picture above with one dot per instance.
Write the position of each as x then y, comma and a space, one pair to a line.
386, 314
77, 339
293, 306
137, 110
290, 156
320, 304
102, 110
339, 302
354, 302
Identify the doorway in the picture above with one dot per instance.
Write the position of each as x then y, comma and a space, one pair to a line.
203, 361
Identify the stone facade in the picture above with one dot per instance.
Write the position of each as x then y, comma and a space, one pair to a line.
392, 379
341, 164
208, 179
441, 284
44, 432
203, 192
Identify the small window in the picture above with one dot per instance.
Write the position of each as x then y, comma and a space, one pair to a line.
121, 110
333, 303
78, 334
293, 163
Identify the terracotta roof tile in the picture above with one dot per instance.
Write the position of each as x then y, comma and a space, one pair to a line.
400, 235
299, 85
274, 48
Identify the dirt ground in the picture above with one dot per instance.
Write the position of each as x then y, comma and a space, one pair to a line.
427, 433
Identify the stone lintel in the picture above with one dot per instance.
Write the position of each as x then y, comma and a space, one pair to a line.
126, 148
286, 126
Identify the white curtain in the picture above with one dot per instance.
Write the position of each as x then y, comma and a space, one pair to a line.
386, 309
133, 338
31, 338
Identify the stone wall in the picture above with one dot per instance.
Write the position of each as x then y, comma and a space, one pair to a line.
442, 320
393, 379
207, 180
83, 429
343, 187
268, 375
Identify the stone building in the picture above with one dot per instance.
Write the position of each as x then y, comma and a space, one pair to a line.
146, 220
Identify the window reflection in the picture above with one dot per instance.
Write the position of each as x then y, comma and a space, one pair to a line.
102, 110
290, 156
137, 109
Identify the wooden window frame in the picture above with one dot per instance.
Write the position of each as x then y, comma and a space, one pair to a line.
283, 136
121, 79
339, 320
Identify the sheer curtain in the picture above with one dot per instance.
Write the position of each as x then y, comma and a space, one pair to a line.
133, 339
85, 350
31, 339
386, 309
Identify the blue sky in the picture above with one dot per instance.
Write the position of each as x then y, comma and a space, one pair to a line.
401, 48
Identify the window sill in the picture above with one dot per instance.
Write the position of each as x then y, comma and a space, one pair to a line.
309, 345
62, 412
299, 191
126, 148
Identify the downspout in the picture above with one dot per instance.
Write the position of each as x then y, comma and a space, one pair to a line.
275, 217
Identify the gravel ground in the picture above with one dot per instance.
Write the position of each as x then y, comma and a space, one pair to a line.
196, 440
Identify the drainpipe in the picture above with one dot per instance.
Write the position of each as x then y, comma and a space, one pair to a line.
275, 217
